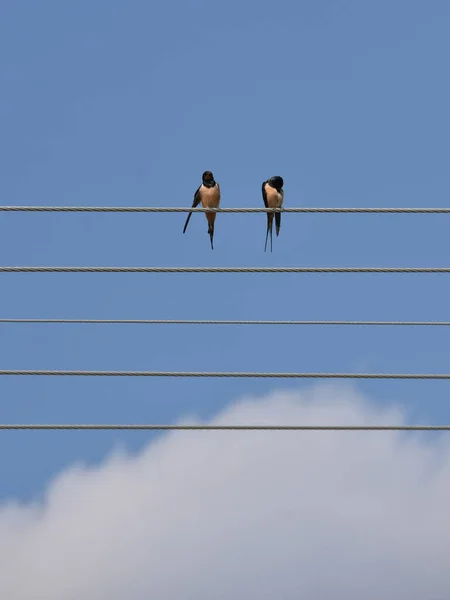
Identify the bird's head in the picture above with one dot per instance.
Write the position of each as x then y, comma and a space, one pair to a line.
276, 182
208, 178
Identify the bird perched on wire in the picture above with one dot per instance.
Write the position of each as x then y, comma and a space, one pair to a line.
208, 193
273, 196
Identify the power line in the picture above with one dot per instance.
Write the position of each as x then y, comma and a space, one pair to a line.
224, 269
221, 322
176, 209
244, 374
234, 427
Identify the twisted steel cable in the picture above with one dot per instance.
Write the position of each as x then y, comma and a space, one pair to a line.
100, 269
222, 374
221, 322
145, 427
177, 209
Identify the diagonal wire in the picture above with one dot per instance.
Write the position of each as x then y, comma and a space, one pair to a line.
223, 374
222, 322
224, 269
232, 427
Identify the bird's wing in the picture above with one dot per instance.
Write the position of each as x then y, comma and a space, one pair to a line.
196, 202
196, 197
264, 193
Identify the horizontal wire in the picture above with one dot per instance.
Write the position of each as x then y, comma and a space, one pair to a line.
176, 209
244, 374
238, 427
221, 322
224, 269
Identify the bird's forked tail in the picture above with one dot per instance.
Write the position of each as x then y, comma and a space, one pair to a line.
269, 230
187, 222
277, 222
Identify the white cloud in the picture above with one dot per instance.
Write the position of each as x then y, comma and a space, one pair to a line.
254, 515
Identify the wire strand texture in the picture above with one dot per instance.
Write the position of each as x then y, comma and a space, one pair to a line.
221, 322
101, 269
222, 374
177, 209
147, 427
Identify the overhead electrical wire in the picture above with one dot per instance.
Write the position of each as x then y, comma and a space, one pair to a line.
222, 374
221, 322
62, 269
179, 209
145, 427
105, 269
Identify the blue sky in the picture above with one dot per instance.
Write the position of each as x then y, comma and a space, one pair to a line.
127, 103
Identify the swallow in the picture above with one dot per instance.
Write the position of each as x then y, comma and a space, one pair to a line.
208, 193
273, 196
